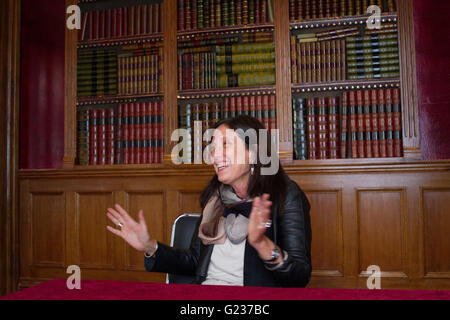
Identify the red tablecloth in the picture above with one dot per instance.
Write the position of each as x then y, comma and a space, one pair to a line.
119, 290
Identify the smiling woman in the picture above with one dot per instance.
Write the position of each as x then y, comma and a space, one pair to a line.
243, 237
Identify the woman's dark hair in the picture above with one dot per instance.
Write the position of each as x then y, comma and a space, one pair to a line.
274, 185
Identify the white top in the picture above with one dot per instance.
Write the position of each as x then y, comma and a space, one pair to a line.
227, 264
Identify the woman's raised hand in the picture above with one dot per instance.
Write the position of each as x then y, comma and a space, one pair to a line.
259, 219
134, 233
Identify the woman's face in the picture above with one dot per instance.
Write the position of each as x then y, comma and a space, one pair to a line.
229, 156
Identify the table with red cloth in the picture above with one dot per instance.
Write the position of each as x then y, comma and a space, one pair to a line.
119, 290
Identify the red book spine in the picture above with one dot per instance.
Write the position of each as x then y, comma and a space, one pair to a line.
367, 124
312, 130
96, 32
132, 21
124, 22
108, 23
233, 111
272, 112
397, 123
360, 124
114, 21
143, 136
259, 109
353, 125
333, 128
144, 19
344, 124
90, 26
137, 133
322, 127
93, 152
160, 131
125, 135
102, 24
375, 127
226, 108
110, 130
154, 130
389, 124
101, 137
118, 135
149, 132
131, 133
119, 22
382, 123
240, 106
252, 105
265, 111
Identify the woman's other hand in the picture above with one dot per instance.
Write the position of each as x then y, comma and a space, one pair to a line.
259, 219
134, 233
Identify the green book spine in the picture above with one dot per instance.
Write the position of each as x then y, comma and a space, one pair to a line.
255, 47
83, 137
372, 62
369, 56
364, 51
246, 58
247, 67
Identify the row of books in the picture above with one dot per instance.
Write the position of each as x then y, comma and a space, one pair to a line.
198, 14
372, 56
122, 22
191, 44
243, 64
208, 113
97, 72
344, 57
312, 9
126, 134
365, 124
140, 72
322, 61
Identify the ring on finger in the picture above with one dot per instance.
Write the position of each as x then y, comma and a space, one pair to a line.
267, 224
119, 224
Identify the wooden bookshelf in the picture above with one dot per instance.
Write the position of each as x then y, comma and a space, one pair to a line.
281, 26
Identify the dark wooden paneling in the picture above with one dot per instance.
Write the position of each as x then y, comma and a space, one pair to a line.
48, 239
96, 244
381, 216
437, 238
360, 217
152, 205
326, 224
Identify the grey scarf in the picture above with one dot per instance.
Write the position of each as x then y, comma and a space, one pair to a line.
221, 219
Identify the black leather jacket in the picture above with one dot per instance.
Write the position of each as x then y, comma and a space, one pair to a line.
291, 231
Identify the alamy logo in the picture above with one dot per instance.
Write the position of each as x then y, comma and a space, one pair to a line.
269, 160
374, 280
374, 21
74, 20
74, 281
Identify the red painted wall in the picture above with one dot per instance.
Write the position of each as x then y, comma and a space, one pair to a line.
42, 87
432, 33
